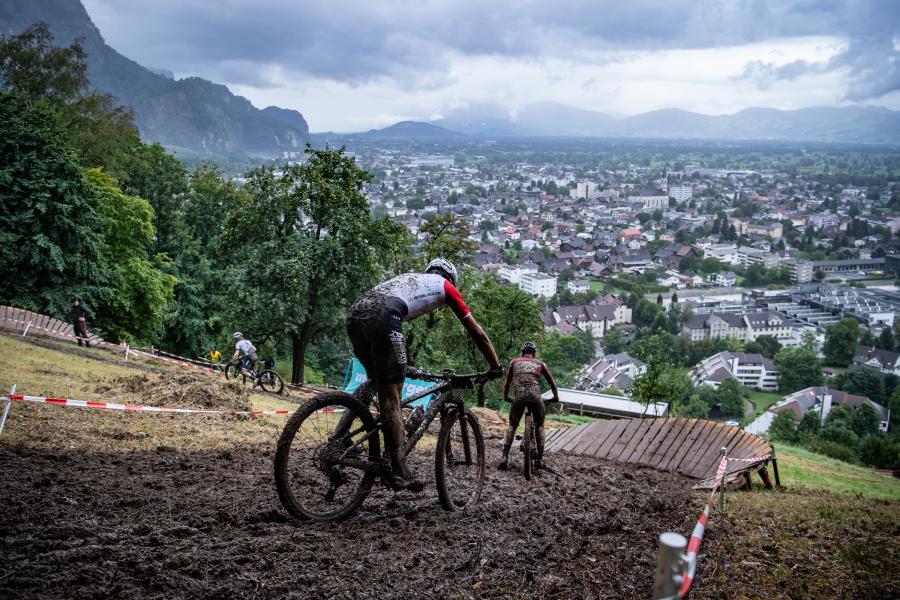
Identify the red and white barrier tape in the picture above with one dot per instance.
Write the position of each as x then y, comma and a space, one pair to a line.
754, 459
693, 547
30, 325
150, 409
174, 361
200, 361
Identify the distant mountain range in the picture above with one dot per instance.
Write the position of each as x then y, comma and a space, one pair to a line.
190, 113
849, 124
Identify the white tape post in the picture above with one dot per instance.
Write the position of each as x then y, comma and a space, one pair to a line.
6, 405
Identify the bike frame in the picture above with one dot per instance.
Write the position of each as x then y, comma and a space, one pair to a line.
438, 406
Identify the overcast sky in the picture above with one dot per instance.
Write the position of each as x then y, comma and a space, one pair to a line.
354, 65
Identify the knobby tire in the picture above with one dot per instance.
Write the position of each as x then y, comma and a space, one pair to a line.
326, 400
442, 461
526, 446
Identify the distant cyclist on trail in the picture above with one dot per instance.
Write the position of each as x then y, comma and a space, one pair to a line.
375, 328
245, 350
526, 371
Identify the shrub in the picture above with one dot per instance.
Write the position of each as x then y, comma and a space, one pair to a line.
834, 450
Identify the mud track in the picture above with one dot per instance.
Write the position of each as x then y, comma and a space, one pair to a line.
208, 525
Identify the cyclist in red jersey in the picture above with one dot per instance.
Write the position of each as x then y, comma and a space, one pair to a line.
375, 327
526, 371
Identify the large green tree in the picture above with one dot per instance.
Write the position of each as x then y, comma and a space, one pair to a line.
865, 381
730, 396
798, 368
136, 294
841, 340
662, 381
50, 240
305, 247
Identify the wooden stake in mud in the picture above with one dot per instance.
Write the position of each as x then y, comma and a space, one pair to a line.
775, 469
12, 391
670, 563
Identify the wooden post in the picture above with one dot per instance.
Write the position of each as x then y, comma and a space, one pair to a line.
775, 469
748, 481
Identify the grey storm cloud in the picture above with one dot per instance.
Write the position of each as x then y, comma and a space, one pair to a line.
871, 58
410, 41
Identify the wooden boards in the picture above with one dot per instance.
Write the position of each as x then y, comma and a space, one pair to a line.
691, 447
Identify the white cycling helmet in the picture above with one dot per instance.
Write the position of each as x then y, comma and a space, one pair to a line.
444, 265
237, 335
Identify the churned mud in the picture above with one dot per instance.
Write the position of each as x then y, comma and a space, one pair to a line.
166, 524
178, 390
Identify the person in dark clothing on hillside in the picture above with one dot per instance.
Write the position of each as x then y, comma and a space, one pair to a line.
79, 314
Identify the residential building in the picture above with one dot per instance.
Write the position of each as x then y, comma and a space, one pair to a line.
681, 192
821, 400
538, 284
513, 273
598, 317
750, 370
752, 256
585, 189
883, 361
579, 286
725, 278
726, 253
801, 270
606, 372
745, 327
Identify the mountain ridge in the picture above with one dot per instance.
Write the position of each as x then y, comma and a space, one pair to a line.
855, 124
191, 113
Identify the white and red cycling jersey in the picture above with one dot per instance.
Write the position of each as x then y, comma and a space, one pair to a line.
422, 293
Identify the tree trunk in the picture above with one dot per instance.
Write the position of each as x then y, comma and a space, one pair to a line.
298, 358
300, 343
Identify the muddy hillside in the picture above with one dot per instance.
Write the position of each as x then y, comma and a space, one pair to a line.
208, 525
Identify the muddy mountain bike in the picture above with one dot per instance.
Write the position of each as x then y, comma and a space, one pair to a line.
329, 454
531, 457
267, 378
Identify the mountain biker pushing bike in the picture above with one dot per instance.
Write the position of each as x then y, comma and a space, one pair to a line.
526, 372
375, 328
246, 350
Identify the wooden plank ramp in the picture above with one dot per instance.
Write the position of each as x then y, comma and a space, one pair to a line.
691, 447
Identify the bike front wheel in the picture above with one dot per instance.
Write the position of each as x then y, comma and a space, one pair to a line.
527, 446
233, 372
320, 473
271, 381
459, 460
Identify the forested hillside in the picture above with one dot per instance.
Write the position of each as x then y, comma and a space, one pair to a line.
190, 113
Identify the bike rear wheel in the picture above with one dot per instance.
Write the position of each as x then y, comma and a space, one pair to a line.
459, 461
312, 474
526, 446
270, 381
